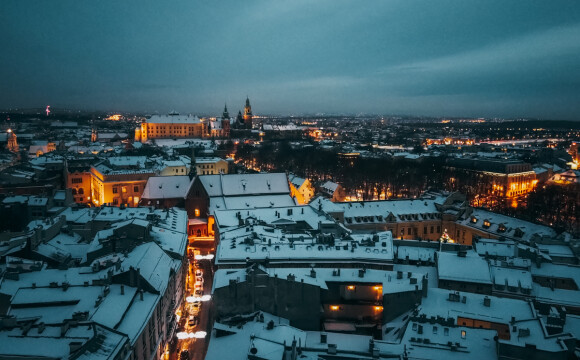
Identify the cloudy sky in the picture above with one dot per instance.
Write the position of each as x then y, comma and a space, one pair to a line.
440, 58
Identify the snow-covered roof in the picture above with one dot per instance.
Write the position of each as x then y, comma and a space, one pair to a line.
493, 223
245, 184
451, 266
271, 215
275, 245
173, 119
249, 202
500, 309
122, 161
166, 187
493, 247
387, 279
155, 265
378, 211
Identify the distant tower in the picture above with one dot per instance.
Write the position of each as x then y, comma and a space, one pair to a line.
248, 114
239, 120
226, 122
12, 143
94, 134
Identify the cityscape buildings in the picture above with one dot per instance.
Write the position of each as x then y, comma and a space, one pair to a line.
403, 184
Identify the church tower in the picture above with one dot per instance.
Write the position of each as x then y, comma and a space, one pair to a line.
226, 123
248, 114
12, 142
94, 134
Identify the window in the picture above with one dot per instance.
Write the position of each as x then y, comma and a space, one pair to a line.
446, 331
434, 329
432, 229
463, 334
116, 201
425, 230
409, 231
76, 180
81, 191
115, 190
136, 188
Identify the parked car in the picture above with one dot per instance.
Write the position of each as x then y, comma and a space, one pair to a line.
198, 292
191, 321
198, 272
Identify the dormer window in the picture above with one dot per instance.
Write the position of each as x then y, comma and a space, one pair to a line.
486, 224
473, 220
501, 228
518, 233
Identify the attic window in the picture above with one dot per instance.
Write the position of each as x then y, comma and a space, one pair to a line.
473, 220
486, 224
501, 228
518, 233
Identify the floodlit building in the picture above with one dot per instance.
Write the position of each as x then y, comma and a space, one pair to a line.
301, 189
171, 126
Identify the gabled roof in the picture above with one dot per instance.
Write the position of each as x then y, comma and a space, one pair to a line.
245, 184
166, 187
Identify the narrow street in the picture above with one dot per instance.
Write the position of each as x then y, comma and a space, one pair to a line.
196, 346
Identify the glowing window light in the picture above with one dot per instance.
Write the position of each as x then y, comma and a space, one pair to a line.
350, 287
334, 307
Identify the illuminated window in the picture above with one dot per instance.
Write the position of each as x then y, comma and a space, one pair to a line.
486, 224
350, 287
334, 307
378, 308
463, 334
124, 189
196, 212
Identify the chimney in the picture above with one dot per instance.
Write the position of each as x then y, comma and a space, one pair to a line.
141, 295
312, 273
486, 301
323, 337
122, 289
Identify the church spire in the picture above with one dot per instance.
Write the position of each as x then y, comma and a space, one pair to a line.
226, 114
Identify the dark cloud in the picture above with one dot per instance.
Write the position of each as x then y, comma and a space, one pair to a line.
476, 58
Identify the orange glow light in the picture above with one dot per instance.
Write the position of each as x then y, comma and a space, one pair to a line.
350, 287
334, 307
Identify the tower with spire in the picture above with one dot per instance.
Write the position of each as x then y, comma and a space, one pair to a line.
94, 134
226, 122
248, 114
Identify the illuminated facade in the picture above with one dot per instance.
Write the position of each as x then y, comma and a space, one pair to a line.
12, 143
117, 187
211, 166
248, 114
499, 179
171, 126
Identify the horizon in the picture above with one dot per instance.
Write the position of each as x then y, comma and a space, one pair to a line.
443, 59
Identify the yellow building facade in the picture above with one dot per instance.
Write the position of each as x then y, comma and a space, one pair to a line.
117, 187
171, 126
